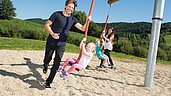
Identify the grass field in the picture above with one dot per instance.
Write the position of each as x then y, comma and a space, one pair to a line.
29, 44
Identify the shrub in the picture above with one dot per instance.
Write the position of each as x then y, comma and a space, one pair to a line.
161, 54
140, 51
75, 38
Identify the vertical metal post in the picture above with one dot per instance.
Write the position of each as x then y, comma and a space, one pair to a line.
155, 32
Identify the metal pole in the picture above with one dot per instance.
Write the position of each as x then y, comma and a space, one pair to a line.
155, 32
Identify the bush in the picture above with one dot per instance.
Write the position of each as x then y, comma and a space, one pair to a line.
161, 54
75, 38
140, 52
126, 46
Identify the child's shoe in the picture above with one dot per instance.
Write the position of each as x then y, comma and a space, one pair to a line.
102, 66
60, 69
64, 75
112, 66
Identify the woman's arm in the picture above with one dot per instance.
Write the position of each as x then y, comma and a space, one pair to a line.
104, 37
111, 38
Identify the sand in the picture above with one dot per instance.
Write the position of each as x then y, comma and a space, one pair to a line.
21, 75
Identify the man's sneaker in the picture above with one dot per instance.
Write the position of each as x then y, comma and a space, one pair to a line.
45, 69
60, 69
47, 85
64, 75
102, 66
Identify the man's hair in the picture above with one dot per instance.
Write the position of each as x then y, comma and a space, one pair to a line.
71, 1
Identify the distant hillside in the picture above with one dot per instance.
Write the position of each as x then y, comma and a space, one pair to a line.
124, 27
22, 29
137, 27
37, 20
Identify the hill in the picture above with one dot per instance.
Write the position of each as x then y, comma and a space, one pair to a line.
37, 20
22, 29
125, 27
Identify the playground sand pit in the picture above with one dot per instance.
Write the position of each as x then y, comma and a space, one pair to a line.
21, 75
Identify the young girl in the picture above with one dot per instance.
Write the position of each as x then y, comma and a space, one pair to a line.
99, 53
87, 54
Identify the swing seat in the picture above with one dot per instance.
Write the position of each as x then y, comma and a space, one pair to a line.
77, 69
111, 1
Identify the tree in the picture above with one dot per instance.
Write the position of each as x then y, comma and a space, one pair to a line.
6, 9
93, 30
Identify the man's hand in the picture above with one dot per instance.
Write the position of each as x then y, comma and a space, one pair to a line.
89, 18
55, 35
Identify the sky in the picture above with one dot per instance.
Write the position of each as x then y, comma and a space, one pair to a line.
121, 11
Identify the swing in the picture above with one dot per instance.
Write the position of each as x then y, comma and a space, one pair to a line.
110, 3
86, 30
88, 21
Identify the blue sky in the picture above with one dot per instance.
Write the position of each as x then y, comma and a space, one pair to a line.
121, 11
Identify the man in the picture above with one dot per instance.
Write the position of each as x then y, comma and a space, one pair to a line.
58, 26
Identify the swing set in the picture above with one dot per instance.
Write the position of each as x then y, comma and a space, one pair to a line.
110, 2
88, 22
157, 18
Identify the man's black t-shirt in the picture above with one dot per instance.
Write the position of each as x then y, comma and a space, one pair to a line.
61, 24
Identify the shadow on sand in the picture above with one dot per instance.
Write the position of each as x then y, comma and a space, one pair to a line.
34, 83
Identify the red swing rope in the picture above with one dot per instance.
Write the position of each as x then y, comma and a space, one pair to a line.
86, 30
107, 18
110, 3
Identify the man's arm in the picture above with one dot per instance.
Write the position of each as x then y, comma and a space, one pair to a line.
80, 26
49, 30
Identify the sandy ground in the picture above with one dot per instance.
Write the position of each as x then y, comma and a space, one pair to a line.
21, 75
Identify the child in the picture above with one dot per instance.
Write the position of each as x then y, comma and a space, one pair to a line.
100, 55
87, 54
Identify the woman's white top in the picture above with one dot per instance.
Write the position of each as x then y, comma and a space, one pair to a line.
108, 45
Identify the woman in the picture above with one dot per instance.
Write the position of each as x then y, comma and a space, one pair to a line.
108, 46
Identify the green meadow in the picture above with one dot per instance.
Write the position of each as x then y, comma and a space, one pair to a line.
30, 44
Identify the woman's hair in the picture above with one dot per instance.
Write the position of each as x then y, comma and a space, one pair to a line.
110, 27
71, 1
112, 33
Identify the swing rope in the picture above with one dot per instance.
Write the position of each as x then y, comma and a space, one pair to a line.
110, 3
86, 30
107, 18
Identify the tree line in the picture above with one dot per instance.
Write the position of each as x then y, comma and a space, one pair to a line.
130, 38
